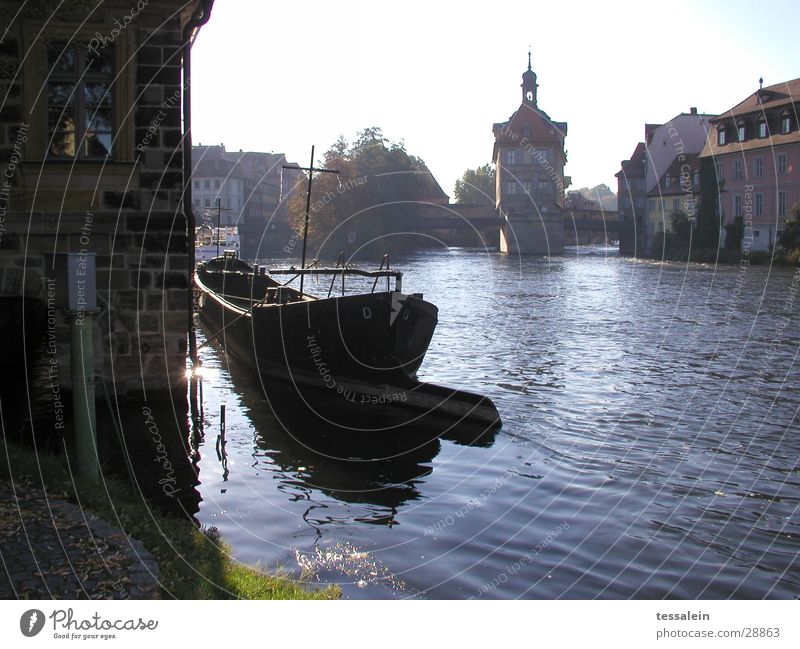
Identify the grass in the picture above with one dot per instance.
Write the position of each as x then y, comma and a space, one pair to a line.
193, 563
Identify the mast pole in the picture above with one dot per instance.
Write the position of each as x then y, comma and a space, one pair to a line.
305, 223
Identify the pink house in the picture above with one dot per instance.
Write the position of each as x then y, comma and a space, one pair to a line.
756, 149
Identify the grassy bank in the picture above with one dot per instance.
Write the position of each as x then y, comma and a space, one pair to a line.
193, 563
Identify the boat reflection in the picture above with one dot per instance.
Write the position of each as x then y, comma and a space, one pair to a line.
383, 468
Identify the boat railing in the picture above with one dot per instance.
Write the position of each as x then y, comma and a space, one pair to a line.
343, 271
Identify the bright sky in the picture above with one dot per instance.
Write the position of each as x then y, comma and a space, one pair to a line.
281, 76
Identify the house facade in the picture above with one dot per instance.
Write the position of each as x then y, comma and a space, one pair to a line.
530, 184
683, 135
251, 190
755, 147
632, 200
677, 192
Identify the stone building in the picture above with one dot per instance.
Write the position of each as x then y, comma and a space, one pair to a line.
529, 157
755, 146
91, 162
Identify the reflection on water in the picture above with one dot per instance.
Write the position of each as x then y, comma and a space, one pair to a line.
649, 447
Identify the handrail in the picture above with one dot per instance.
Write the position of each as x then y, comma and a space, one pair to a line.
398, 275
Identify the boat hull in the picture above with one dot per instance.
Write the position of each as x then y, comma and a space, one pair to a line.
371, 338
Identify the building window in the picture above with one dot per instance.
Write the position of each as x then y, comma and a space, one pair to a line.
759, 210
667, 182
781, 164
786, 123
651, 205
526, 187
207, 184
216, 183
722, 136
737, 169
511, 156
207, 202
720, 173
79, 99
756, 233
544, 186
758, 167
696, 177
781, 203
740, 131
762, 128
737, 205
626, 201
640, 184
676, 205
640, 202
511, 188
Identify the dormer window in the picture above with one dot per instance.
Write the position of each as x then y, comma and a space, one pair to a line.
762, 128
722, 136
740, 131
786, 123
667, 182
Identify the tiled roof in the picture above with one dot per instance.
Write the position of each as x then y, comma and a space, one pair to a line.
780, 94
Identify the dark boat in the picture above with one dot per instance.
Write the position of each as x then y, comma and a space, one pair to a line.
351, 359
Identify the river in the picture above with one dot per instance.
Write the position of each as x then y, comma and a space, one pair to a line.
649, 447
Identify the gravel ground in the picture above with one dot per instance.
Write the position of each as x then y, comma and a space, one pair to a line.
50, 549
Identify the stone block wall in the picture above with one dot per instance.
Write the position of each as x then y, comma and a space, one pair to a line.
127, 210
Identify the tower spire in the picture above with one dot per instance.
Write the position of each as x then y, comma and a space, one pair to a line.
529, 57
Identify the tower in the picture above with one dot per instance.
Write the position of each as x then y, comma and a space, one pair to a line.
529, 84
529, 157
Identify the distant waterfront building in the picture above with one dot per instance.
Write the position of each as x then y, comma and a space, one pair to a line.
632, 200
529, 157
756, 149
252, 189
683, 135
677, 192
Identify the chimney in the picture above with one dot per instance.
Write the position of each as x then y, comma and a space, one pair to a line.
693, 110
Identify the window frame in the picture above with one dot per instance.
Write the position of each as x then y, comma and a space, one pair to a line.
780, 164
758, 167
781, 203
35, 36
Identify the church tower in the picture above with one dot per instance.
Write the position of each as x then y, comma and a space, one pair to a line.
529, 157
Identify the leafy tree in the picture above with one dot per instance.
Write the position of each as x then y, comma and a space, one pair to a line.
709, 217
476, 186
790, 236
379, 184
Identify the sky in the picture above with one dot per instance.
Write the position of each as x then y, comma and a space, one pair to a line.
283, 76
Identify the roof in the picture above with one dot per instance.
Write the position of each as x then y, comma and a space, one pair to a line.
543, 129
675, 171
781, 94
769, 99
633, 167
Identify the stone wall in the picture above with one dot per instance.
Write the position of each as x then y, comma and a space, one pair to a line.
126, 209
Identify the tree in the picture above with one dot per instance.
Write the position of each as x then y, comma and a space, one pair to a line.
709, 217
790, 236
379, 184
476, 186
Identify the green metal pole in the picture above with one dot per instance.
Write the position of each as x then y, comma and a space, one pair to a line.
83, 415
